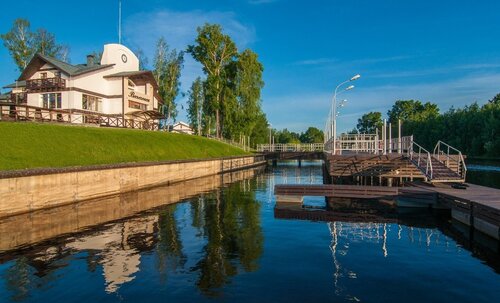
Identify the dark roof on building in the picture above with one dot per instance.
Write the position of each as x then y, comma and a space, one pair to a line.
16, 84
72, 70
139, 77
129, 74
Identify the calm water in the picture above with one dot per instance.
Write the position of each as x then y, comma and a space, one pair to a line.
229, 244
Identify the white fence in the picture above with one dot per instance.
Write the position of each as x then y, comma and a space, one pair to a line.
302, 147
368, 143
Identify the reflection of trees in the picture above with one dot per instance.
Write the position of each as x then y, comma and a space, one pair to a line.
232, 227
18, 278
170, 255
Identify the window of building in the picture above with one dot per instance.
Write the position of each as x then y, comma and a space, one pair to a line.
43, 75
131, 84
57, 74
52, 100
136, 105
91, 103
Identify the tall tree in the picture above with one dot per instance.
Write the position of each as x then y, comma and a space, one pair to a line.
412, 110
195, 105
46, 44
249, 84
495, 99
312, 135
167, 71
369, 123
214, 50
20, 43
23, 44
143, 60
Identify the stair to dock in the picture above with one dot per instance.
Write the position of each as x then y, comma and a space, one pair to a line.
440, 166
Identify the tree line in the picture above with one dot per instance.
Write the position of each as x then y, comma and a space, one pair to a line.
473, 129
225, 103
311, 135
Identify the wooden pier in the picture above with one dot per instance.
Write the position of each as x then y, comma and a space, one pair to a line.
476, 206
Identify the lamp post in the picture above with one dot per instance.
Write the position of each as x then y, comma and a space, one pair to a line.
270, 135
333, 111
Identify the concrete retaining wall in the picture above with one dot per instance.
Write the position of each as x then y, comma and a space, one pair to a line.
36, 189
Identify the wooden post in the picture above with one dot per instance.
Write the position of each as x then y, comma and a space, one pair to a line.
384, 136
390, 138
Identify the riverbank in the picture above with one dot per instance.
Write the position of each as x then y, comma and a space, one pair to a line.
38, 145
28, 190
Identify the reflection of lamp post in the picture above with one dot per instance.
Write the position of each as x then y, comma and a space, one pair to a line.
333, 111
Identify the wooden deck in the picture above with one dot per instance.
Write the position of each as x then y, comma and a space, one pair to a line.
348, 191
476, 206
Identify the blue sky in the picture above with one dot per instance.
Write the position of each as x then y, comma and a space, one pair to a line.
446, 52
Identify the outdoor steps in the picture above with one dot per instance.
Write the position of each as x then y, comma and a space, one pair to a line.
440, 172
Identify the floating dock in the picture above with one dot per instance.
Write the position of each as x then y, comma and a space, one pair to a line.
476, 206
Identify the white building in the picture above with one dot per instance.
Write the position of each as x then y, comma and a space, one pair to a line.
114, 91
182, 128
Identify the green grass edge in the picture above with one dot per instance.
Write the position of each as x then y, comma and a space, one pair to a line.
28, 145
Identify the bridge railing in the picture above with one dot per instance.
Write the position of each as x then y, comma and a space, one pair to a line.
291, 147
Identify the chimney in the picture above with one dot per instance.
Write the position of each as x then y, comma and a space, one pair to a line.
90, 60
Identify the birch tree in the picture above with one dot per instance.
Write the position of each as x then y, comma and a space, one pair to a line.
195, 105
214, 50
23, 44
167, 66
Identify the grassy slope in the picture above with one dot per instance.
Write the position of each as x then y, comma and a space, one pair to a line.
31, 145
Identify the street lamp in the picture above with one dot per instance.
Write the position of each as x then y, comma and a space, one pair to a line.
270, 129
333, 110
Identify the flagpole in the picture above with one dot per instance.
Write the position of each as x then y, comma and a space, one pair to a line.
119, 22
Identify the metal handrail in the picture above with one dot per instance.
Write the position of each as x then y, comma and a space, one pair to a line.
421, 153
461, 167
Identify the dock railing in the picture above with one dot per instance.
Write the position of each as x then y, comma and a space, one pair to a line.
369, 143
444, 152
420, 156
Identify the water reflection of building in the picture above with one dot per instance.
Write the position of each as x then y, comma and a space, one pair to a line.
119, 248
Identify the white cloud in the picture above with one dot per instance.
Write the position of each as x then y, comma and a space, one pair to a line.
142, 30
298, 111
329, 62
179, 28
317, 61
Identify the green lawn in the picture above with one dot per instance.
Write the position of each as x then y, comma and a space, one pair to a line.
33, 145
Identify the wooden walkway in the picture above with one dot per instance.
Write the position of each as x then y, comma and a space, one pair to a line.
476, 206
348, 191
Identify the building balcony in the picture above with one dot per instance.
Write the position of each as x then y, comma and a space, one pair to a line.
45, 85
19, 98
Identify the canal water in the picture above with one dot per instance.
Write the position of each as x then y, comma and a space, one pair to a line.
226, 241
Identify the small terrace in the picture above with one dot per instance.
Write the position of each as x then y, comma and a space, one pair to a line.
45, 85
